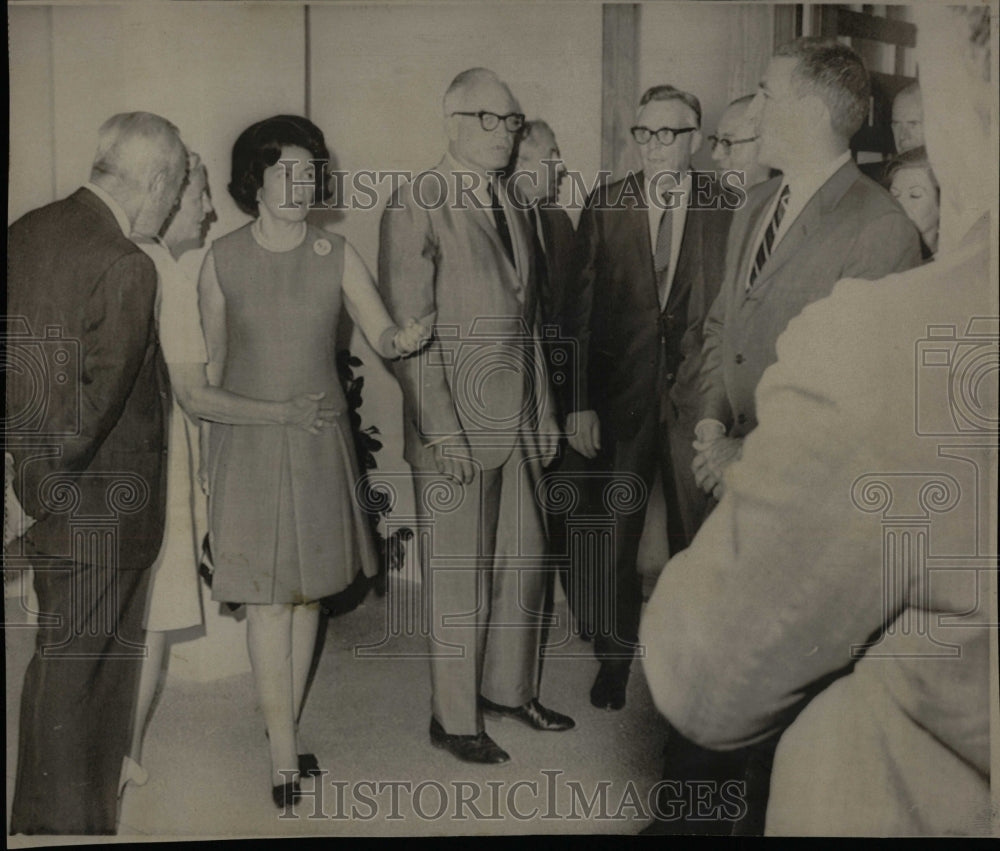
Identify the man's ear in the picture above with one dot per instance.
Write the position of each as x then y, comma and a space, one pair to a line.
814, 112
451, 127
696, 140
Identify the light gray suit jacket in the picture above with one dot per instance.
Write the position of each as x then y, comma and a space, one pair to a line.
483, 374
851, 228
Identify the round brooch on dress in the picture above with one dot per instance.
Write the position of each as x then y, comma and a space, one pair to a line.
322, 247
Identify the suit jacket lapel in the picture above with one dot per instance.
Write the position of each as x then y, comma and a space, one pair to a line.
806, 223
481, 217
639, 219
688, 264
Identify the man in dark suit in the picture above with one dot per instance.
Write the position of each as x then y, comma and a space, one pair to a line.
796, 235
457, 249
536, 173
86, 432
649, 248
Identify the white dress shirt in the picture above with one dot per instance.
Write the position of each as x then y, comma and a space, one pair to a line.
655, 213
114, 206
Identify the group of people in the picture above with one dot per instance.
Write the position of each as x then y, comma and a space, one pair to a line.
672, 304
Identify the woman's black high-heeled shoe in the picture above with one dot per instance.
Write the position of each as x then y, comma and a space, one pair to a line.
308, 765
286, 794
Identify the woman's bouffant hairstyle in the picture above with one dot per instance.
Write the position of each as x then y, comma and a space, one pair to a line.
913, 158
259, 147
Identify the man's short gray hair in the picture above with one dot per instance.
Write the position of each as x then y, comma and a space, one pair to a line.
134, 146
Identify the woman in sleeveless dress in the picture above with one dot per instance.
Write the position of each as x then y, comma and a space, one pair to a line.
284, 523
174, 598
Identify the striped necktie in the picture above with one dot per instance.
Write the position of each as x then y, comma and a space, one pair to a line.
767, 243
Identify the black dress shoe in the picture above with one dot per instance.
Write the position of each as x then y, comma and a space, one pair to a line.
477, 748
308, 765
286, 794
531, 713
608, 691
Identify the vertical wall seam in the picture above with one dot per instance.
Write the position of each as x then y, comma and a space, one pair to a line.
308, 61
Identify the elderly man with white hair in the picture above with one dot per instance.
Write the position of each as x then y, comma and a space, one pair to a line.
842, 590
87, 442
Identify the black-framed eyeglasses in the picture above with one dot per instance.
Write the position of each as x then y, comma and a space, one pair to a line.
665, 135
727, 144
489, 121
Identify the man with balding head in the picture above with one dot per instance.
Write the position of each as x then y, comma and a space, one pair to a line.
457, 249
89, 466
736, 145
908, 119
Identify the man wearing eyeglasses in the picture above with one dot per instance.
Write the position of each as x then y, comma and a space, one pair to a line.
648, 247
458, 250
736, 145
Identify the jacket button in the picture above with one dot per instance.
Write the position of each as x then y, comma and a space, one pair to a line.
163, 394
739, 358
741, 419
670, 376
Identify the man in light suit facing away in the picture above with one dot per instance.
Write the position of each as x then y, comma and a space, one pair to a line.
457, 249
90, 467
797, 234
650, 250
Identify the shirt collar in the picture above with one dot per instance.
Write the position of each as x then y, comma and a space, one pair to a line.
804, 184
113, 206
684, 186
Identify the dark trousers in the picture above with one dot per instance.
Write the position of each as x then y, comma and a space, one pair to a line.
79, 697
566, 489
627, 471
712, 793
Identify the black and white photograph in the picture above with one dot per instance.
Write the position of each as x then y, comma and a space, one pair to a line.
452, 418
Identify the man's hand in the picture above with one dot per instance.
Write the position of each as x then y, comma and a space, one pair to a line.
548, 441
305, 412
584, 431
722, 452
454, 459
714, 454
704, 476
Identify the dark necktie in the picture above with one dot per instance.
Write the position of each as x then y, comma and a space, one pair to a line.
542, 265
767, 243
500, 220
661, 257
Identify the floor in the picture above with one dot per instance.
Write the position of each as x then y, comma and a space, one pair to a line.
366, 718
